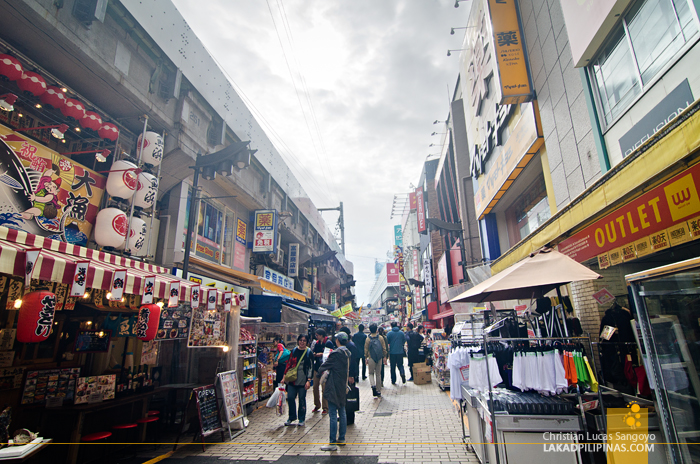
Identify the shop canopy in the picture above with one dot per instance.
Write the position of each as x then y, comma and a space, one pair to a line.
313, 313
278, 309
537, 274
57, 261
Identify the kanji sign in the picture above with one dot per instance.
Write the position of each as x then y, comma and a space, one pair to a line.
265, 232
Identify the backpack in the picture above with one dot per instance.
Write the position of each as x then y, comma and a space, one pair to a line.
284, 356
375, 349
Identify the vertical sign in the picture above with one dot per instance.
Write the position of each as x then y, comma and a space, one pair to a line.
427, 276
211, 299
412, 200
420, 210
416, 275
392, 274
398, 236
293, 267
174, 295
227, 301
239, 245
195, 294
509, 48
149, 285
333, 299
80, 278
31, 257
118, 282
265, 232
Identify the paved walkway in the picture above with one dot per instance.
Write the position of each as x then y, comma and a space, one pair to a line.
410, 423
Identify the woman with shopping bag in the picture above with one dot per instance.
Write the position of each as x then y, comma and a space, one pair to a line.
298, 377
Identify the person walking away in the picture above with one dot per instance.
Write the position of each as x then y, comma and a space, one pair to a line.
359, 339
382, 333
428, 347
354, 371
334, 392
298, 377
397, 340
376, 354
280, 362
322, 342
413, 347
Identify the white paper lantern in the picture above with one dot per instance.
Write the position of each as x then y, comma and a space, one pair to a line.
122, 180
146, 191
137, 237
152, 148
110, 227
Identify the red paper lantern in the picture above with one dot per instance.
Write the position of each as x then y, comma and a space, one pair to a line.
73, 109
109, 131
32, 83
10, 67
53, 96
36, 317
91, 121
147, 324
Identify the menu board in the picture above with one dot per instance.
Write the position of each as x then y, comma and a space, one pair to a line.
231, 395
50, 383
104, 385
208, 410
92, 341
174, 323
208, 328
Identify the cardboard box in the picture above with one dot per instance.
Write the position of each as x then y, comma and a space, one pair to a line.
421, 374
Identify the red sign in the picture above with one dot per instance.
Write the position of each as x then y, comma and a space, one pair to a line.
412, 200
420, 210
603, 297
428, 325
670, 203
392, 274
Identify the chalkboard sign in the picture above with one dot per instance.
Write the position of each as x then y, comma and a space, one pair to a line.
208, 410
92, 341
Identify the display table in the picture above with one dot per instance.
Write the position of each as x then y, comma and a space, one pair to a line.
17, 454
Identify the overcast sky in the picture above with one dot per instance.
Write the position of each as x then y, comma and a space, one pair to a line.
354, 117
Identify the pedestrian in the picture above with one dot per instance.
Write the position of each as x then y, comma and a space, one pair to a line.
413, 347
359, 339
322, 342
355, 355
382, 333
280, 362
335, 390
397, 340
298, 383
376, 354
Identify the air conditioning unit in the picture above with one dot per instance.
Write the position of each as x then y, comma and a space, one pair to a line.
86, 11
279, 257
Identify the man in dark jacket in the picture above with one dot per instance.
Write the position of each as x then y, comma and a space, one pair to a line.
335, 390
414, 340
396, 340
322, 342
354, 358
359, 339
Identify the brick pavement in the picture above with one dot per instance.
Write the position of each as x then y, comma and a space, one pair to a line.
409, 424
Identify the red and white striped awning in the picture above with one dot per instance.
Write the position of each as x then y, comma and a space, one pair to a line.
57, 261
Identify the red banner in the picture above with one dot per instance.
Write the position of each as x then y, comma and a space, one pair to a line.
412, 200
420, 210
669, 204
392, 274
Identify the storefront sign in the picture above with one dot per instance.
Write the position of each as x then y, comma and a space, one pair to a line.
265, 232
644, 221
277, 278
80, 278
240, 244
306, 288
442, 278
522, 145
420, 210
513, 77
427, 276
174, 294
293, 260
118, 283
672, 104
412, 201
149, 284
398, 236
392, 274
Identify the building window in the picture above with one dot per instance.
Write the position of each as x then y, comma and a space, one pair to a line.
529, 212
649, 36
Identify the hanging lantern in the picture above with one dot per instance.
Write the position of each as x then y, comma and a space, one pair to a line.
36, 317
10, 68
146, 191
137, 237
147, 324
91, 121
109, 131
53, 96
152, 148
110, 227
32, 83
122, 179
73, 109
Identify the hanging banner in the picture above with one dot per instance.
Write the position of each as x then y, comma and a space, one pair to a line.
240, 244
211, 299
427, 276
392, 274
412, 201
227, 301
196, 291
79, 278
174, 295
31, 257
420, 210
265, 232
293, 267
149, 284
398, 236
118, 282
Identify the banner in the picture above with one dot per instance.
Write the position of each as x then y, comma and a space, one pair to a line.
239, 245
149, 284
118, 283
79, 278
420, 210
398, 236
265, 232
29, 263
227, 301
293, 267
412, 201
211, 299
174, 295
392, 274
346, 309
427, 276
196, 291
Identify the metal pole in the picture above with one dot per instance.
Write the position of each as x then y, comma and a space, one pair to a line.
194, 207
138, 164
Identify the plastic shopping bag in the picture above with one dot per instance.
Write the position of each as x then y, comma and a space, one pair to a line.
326, 353
281, 402
272, 402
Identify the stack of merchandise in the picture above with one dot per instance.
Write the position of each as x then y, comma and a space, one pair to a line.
441, 350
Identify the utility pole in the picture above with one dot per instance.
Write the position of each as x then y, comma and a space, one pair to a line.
341, 224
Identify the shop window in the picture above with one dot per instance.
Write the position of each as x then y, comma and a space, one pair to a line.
649, 36
530, 211
210, 222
